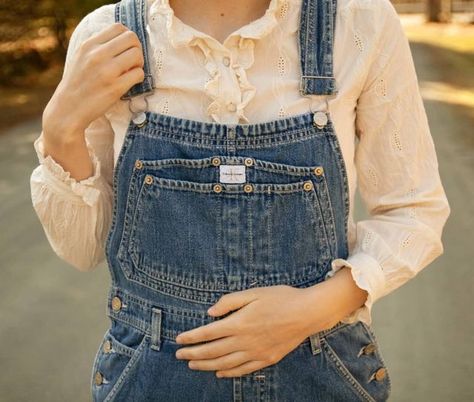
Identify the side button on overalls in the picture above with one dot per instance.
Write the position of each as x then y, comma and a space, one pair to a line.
203, 209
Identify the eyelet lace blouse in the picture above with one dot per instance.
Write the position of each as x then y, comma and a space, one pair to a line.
253, 76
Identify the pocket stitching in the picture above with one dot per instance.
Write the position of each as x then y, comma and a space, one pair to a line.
319, 216
128, 226
207, 187
347, 375
130, 261
119, 347
373, 338
97, 357
262, 164
138, 352
332, 222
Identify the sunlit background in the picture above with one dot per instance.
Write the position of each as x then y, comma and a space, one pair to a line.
52, 317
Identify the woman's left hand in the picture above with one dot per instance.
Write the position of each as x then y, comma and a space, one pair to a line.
268, 323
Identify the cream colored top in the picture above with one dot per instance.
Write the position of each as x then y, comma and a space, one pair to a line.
378, 114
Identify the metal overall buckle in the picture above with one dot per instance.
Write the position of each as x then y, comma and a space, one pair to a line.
320, 117
138, 114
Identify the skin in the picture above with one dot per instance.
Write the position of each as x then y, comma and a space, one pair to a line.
104, 67
255, 334
218, 18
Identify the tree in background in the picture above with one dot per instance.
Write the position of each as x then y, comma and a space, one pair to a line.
438, 10
35, 33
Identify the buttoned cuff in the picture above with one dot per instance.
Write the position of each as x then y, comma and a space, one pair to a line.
367, 275
61, 180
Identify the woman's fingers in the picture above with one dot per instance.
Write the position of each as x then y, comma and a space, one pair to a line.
245, 368
228, 361
128, 79
121, 43
107, 34
208, 350
125, 61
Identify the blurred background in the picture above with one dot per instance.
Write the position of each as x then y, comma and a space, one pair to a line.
52, 317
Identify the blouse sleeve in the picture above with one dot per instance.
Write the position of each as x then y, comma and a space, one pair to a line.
398, 175
76, 215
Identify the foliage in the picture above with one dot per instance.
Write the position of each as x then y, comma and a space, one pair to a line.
34, 34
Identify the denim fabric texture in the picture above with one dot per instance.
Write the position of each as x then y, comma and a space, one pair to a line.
203, 209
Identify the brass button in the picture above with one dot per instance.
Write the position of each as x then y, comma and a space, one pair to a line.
217, 188
138, 164
318, 170
98, 378
308, 186
148, 179
370, 348
107, 346
248, 188
248, 161
216, 161
116, 303
380, 374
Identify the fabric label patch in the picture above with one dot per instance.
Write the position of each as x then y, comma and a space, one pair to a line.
232, 173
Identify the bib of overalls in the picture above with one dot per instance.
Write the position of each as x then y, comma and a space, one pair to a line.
203, 209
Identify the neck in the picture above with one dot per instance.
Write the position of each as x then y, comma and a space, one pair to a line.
218, 18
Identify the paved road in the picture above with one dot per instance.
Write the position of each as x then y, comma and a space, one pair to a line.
52, 317
426, 327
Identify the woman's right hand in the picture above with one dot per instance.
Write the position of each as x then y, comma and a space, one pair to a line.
103, 68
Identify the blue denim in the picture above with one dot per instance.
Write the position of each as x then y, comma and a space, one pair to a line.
203, 209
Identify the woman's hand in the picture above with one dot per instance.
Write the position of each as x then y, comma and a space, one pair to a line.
103, 68
268, 323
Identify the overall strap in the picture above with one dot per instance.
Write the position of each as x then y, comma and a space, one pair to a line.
132, 14
316, 40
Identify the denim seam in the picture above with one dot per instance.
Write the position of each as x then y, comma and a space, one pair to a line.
108, 244
374, 339
227, 188
255, 143
260, 164
129, 213
347, 375
345, 183
330, 217
129, 366
318, 216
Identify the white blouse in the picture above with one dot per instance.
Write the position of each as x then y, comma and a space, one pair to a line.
378, 115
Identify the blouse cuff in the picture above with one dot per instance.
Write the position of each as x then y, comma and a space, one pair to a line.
60, 179
368, 275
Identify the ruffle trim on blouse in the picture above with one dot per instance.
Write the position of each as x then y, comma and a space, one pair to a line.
180, 34
242, 59
83, 188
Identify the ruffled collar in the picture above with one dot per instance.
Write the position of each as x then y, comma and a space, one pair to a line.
181, 34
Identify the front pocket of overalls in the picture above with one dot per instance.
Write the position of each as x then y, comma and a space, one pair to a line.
177, 221
354, 354
117, 356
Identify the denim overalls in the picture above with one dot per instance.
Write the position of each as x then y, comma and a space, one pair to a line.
203, 209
